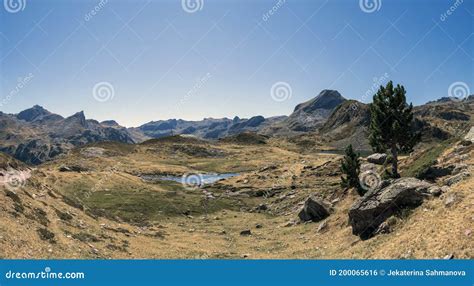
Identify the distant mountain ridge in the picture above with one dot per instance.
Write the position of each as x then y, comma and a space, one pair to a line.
36, 135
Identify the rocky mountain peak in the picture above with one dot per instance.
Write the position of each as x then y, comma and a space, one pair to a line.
314, 112
33, 113
326, 99
78, 117
110, 123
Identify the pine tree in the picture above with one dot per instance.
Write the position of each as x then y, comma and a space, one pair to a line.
350, 167
391, 125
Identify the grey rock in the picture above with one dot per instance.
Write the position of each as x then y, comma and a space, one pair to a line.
290, 223
246, 232
313, 210
322, 227
435, 191
370, 211
377, 158
470, 135
458, 168
72, 168
383, 228
450, 199
261, 207
434, 172
449, 256
457, 178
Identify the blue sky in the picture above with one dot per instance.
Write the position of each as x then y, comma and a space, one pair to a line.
164, 60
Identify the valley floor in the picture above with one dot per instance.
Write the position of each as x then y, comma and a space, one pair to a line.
93, 204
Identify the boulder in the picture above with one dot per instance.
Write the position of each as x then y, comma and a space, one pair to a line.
261, 207
457, 178
246, 232
377, 158
322, 227
450, 199
470, 135
370, 211
72, 168
313, 210
433, 172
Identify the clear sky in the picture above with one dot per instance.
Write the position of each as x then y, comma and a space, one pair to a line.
152, 60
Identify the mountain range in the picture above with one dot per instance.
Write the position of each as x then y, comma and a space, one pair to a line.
36, 135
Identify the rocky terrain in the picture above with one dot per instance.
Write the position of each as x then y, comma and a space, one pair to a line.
98, 201
78, 188
36, 135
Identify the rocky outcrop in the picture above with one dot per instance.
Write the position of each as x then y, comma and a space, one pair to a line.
470, 135
457, 178
366, 215
377, 158
313, 210
312, 114
36, 135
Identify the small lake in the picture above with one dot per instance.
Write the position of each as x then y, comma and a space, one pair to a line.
195, 179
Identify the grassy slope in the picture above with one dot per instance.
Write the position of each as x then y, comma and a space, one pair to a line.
161, 230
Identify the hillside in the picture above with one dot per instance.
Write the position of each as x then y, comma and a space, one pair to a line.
106, 200
328, 121
36, 135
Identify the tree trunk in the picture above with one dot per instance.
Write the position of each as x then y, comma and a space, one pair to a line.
395, 162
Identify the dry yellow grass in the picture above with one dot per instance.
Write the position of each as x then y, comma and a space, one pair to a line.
430, 231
